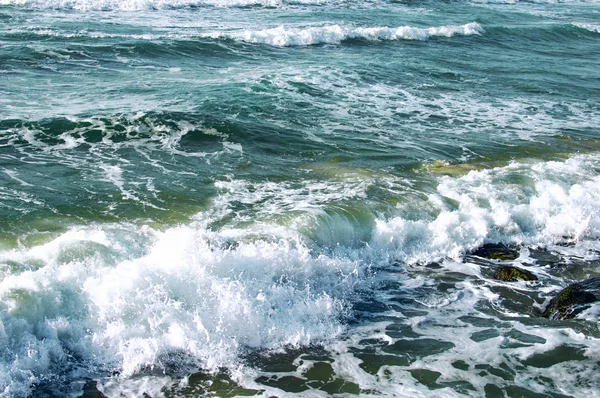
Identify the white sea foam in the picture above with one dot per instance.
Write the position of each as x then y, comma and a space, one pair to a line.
503, 347
335, 34
348, 101
555, 201
187, 301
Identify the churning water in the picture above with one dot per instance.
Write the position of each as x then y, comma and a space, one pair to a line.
280, 198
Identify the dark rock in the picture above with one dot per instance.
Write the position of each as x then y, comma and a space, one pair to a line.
545, 258
573, 299
496, 251
510, 274
90, 390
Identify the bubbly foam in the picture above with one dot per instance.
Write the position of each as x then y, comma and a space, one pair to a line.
478, 344
555, 201
186, 302
416, 109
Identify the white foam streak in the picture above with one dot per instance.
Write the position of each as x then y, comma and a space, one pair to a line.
335, 34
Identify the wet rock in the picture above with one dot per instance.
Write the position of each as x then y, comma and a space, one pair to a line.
573, 299
509, 273
445, 168
496, 251
544, 258
90, 390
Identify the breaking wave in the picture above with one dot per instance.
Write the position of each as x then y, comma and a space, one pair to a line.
335, 34
588, 26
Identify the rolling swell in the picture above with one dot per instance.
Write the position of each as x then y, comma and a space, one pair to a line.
556, 32
222, 44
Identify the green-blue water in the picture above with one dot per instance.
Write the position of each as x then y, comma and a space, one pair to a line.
272, 197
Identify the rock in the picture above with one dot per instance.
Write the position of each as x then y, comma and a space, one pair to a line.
445, 168
511, 274
496, 251
90, 390
573, 299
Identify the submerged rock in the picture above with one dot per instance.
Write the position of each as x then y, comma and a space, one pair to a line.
509, 273
90, 390
456, 170
573, 299
496, 251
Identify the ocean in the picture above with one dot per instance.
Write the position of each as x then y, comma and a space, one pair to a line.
298, 198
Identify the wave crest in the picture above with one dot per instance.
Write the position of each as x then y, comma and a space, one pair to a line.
335, 34
588, 26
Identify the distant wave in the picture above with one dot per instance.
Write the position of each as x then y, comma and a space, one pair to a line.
137, 5
62, 34
334, 34
282, 36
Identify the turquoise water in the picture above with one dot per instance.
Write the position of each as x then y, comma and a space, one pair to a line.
281, 198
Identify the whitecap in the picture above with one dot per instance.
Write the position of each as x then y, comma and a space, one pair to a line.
335, 34
588, 26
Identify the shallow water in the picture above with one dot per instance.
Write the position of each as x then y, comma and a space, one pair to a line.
278, 198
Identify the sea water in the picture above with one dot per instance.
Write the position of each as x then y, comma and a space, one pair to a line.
286, 197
